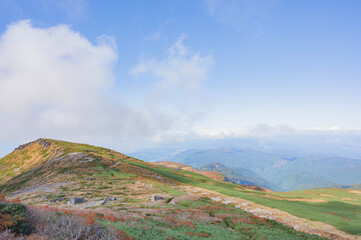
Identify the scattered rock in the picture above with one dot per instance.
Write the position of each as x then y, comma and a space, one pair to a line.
43, 188
159, 177
108, 199
156, 198
68, 172
216, 199
44, 198
88, 179
55, 200
73, 201
183, 198
228, 201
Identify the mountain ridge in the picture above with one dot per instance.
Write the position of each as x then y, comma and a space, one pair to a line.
54, 174
304, 171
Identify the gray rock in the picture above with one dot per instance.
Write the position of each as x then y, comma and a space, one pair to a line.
108, 199
68, 172
73, 201
88, 179
156, 198
52, 201
216, 199
44, 198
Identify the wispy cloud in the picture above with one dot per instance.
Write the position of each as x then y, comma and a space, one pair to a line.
54, 83
155, 36
242, 14
180, 67
74, 9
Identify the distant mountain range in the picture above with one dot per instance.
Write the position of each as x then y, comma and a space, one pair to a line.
271, 170
239, 175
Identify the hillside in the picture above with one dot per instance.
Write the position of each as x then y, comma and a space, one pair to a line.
215, 175
239, 175
186, 205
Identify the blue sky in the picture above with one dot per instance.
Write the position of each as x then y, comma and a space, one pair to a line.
176, 70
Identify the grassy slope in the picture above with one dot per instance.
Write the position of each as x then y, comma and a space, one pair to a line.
340, 213
238, 220
345, 216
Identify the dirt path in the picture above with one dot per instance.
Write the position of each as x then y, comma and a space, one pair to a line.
297, 223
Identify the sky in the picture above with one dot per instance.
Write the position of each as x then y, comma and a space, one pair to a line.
131, 74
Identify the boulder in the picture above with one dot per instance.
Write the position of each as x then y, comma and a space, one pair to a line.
43, 198
73, 201
88, 179
156, 198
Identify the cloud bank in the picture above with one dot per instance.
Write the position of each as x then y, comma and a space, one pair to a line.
54, 83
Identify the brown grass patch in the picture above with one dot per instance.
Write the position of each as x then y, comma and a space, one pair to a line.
356, 191
296, 199
344, 218
327, 195
198, 234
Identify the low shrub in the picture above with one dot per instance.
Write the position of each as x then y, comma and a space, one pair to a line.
13, 218
61, 224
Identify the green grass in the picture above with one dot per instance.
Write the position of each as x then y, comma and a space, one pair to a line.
167, 189
103, 172
344, 216
171, 225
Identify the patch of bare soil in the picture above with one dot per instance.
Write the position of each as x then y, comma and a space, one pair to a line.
297, 223
356, 191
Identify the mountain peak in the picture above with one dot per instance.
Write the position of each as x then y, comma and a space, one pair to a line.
44, 143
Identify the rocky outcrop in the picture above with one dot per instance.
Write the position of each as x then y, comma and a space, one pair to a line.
43, 143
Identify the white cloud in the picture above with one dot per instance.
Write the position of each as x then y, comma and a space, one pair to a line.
180, 67
262, 131
54, 83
